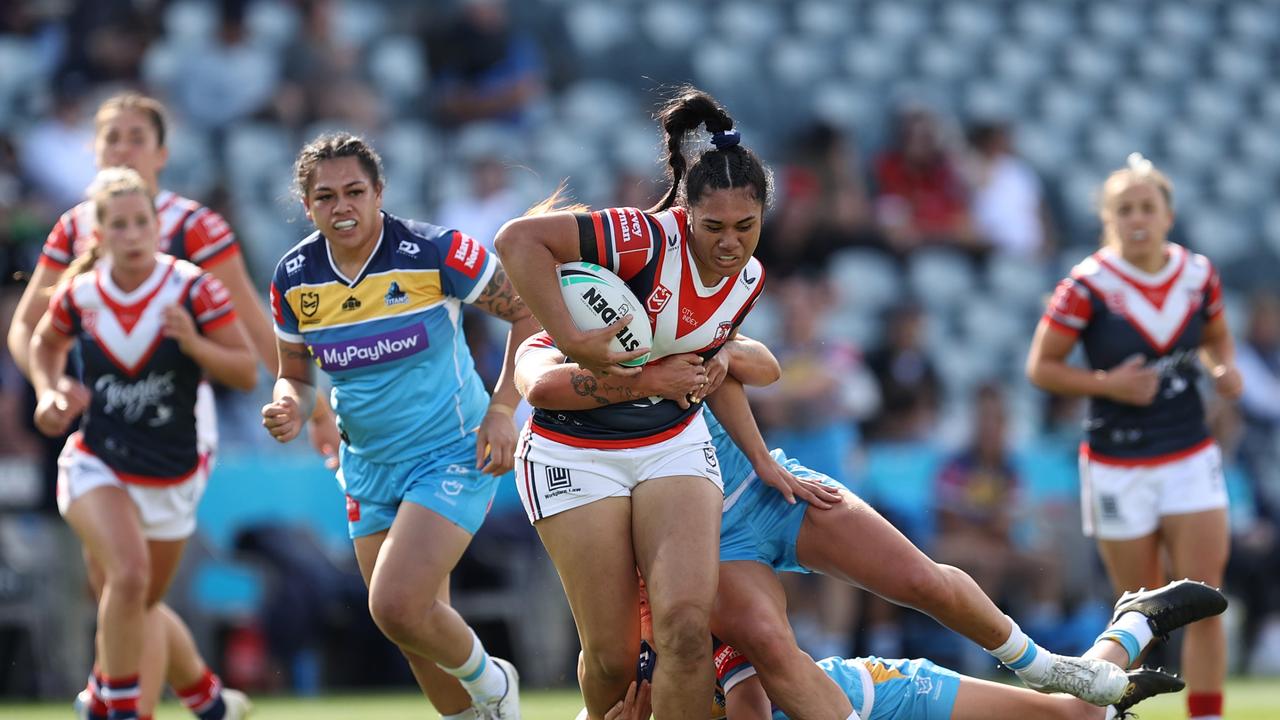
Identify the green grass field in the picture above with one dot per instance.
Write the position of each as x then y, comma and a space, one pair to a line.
1246, 700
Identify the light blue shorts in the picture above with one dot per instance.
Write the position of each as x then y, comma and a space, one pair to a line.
760, 525
904, 689
445, 481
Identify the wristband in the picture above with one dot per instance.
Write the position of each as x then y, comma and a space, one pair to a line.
501, 408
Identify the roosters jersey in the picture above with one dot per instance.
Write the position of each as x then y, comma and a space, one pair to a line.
650, 252
1118, 311
188, 231
390, 339
141, 420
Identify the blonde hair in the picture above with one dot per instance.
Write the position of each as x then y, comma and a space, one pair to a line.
109, 183
1138, 169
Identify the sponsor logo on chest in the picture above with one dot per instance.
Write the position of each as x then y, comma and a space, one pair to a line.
373, 350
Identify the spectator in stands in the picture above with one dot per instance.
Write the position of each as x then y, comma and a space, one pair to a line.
485, 68
105, 42
1258, 357
823, 203
1008, 203
57, 152
319, 58
229, 78
490, 201
978, 496
909, 385
921, 197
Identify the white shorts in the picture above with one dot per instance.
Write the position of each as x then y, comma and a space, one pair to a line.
168, 512
553, 477
1124, 502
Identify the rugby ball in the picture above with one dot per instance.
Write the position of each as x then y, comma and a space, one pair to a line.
596, 298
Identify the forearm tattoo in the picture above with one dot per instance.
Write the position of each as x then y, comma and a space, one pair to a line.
586, 385
500, 299
291, 354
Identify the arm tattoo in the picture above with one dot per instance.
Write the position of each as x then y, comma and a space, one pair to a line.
585, 384
627, 393
500, 299
292, 354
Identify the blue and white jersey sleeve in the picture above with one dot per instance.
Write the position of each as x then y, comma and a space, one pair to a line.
283, 315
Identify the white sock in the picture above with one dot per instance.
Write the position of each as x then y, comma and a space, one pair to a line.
1023, 656
481, 677
1133, 633
1111, 712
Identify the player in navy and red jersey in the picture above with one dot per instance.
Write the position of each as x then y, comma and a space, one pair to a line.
645, 469
131, 131
1151, 475
149, 328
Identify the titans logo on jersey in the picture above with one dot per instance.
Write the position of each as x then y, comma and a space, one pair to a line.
391, 337
188, 231
1119, 311
141, 419
650, 252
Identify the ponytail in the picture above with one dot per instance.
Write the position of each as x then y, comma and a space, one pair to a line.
727, 164
82, 264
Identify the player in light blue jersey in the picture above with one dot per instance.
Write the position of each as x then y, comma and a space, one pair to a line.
917, 689
375, 301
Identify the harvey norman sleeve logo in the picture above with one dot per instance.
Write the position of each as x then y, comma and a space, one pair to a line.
374, 350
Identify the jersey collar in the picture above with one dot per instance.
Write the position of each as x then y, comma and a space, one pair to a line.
372, 254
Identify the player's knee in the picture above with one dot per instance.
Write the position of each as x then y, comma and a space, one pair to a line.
683, 633
397, 614
770, 645
613, 664
128, 583
926, 585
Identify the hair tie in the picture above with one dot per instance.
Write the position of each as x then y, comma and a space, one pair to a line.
725, 139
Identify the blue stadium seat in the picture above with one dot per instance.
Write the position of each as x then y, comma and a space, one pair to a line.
1220, 234
1185, 23
1242, 65
674, 26
1091, 64
1110, 143
799, 62
947, 60
1165, 63
1141, 106
750, 23
983, 98
1258, 21
1020, 62
941, 277
824, 19
871, 59
396, 64
361, 21
1042, 24
898, 20
190, 21
1117, 23
1018, 282
1214, 105
971, 22
273, 22
865, 280
597, 27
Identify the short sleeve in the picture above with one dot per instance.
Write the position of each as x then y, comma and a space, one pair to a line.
1212, 305
63, 314
538, 341
1071, 307
283, 316
57, 250
467, 266
623, 240
211, 304
208, 238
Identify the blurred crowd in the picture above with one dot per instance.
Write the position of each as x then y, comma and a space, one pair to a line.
908, 257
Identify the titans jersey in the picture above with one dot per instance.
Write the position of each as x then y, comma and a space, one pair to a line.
1118, 311
877, 688
390, 339
650, 252
141, 419
188, 231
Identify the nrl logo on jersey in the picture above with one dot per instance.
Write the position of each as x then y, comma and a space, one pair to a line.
310, 304
294, 264
657, 299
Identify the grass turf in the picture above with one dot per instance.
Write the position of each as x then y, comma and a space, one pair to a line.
1254, 699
